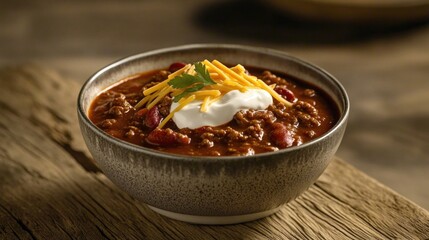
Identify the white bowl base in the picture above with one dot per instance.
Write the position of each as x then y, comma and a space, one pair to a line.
214, 220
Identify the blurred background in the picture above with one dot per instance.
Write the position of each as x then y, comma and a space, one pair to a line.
379, 53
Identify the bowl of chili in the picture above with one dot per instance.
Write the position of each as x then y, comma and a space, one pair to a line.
220, 141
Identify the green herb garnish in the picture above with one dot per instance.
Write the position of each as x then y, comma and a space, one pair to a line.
191, 83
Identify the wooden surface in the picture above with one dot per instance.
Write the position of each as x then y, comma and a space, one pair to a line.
50, 189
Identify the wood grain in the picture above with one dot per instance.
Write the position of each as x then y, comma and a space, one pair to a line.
50, 188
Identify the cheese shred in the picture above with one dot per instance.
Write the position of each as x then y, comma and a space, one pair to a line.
227, 79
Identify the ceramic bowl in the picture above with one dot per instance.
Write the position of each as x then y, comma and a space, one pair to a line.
212, 190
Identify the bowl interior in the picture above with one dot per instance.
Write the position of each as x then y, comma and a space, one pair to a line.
250, 56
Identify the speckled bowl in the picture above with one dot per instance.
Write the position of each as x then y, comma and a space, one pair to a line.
212, 190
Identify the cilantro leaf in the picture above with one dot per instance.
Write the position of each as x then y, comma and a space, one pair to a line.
203, 74
183, 80
191, 83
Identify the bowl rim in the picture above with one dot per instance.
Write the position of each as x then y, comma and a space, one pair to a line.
156, 153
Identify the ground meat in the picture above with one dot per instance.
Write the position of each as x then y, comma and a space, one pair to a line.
214, 153
166, 138
241, 151
136, 123
102, 108
185, 131
298, 140
307, 114
112, 94
309, 92
119, 99
251, 117
206, 143
220, 135
155, 79
306, 107
116, 111
118, 105
255, 131
307, 120
234, 135
160, 76
209, 138
211, 133
132, 131
310, 133
110, 98
164, 106
282, 113
312, 102
268, 148
107, 123
270, 78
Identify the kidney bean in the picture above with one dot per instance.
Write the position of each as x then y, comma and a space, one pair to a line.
166, 138
281, 136
176, 66
153, 118
285, 93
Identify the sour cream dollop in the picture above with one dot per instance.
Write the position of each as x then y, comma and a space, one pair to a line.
221, 111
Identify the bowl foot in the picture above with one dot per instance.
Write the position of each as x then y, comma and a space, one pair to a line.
214, 220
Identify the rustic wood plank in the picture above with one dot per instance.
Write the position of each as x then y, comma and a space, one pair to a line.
50, 187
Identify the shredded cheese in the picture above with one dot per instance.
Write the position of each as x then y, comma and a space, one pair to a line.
165, 82
273, 93
209, 93
231, 73
227, 79
155, 88
142, 102
210, 66
160, 96
205, 104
